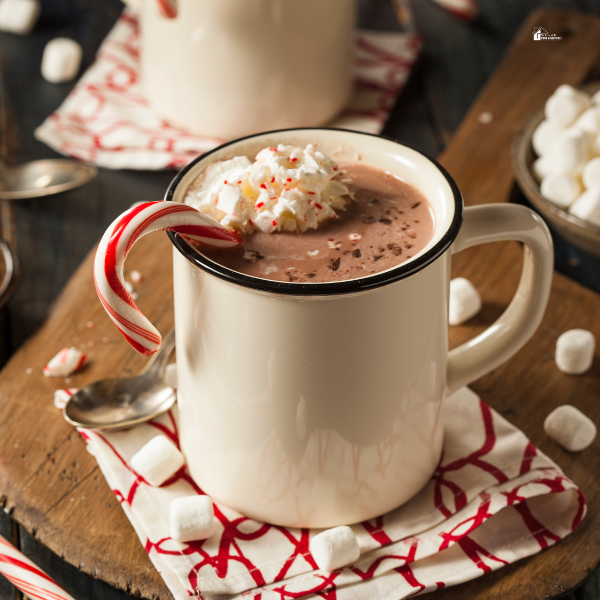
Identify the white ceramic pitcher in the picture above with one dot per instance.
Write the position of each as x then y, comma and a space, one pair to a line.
228, 68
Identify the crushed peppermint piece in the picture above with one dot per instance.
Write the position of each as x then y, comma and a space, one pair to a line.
136, 276
355, 236
67, 361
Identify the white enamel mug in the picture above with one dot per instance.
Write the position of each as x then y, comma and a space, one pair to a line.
228, 68
318, 404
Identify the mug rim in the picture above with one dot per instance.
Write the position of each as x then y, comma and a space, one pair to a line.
346, 286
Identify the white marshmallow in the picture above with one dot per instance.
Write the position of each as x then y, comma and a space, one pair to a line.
565, 105
544, 166
61, 60
570, 151
587, 206
19, 16
591, 173
596, 98
560, 189
569, 427
192, 518
544, 137
575, 351
335, 548
158, 460
465, 301
589, 120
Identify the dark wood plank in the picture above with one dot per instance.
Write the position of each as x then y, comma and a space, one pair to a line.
529, 386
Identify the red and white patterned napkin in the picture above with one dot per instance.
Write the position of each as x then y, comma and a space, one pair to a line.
106, 120
494, 499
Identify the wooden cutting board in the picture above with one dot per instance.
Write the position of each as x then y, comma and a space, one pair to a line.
54, 489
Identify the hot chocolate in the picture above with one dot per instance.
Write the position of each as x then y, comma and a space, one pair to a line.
385, 222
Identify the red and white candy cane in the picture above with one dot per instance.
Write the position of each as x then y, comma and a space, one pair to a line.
115, 246
26, 576
167, 8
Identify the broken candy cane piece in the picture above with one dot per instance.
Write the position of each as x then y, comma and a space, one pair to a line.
114, 248
61, 397
67, 361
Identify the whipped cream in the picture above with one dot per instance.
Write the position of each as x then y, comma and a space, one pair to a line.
286, 189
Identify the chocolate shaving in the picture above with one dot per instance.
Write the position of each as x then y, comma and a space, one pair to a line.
385, 220
334, 265
396, 250
415, 205
374, 201
408, 246
356, 253
311, 275
369, 220
292, 278
252, 255
376, 258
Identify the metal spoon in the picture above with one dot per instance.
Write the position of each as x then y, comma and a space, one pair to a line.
119, 403
42, 178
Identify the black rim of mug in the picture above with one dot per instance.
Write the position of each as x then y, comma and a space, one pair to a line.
347, 286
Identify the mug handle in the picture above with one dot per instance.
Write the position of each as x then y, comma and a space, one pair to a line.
495, 345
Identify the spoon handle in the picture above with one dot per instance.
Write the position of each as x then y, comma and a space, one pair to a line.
159, 362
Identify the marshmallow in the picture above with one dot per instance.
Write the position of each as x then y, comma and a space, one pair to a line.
589, 121
335, 548
192, 518
560, 189
575, 351
61, 60
596, 98
18, 16
570, 151
158, 460
67, 361
565, 105
544, 166
569, 427
587, 206
465, 301
591, 174
544, 137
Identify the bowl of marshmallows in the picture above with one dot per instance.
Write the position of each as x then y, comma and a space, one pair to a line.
556, 158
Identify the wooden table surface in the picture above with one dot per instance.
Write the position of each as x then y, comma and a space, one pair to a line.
54, 235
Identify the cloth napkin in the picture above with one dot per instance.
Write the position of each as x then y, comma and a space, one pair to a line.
494, 498
106, 120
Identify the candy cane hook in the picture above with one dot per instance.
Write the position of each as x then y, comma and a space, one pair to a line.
115, 246
26, 576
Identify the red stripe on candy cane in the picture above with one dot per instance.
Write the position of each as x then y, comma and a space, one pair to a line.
115, 246
26, 576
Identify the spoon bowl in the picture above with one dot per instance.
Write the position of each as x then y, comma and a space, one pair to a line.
43, 178
120, 403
